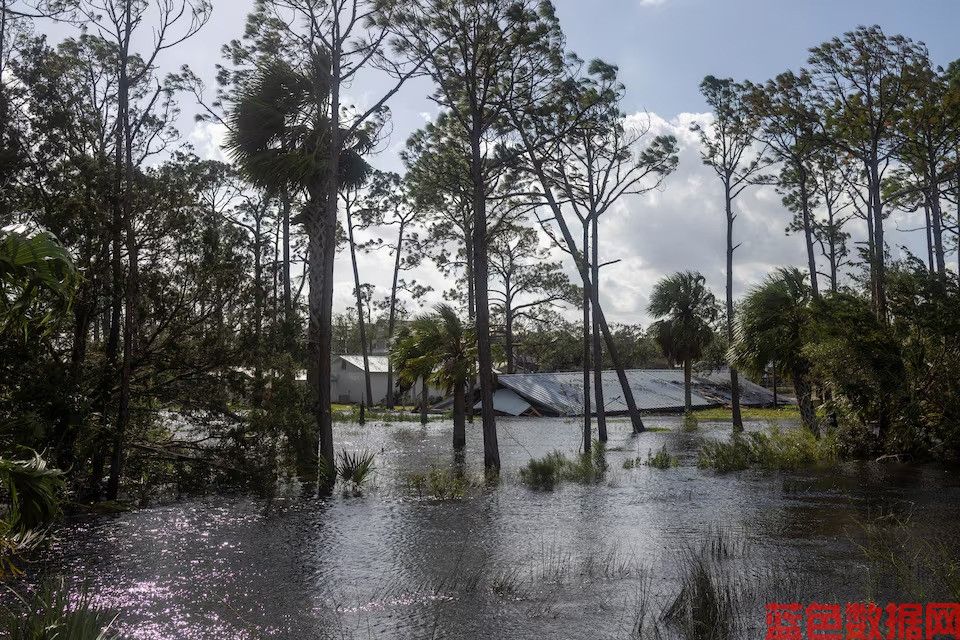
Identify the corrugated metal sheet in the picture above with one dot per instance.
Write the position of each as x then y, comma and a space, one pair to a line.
653, 390
378, 364
507, 402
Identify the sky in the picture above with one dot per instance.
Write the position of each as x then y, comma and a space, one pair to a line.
663, 49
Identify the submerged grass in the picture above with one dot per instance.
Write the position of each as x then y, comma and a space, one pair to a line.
774, 449
907, 565
662, 459
442, 484
556, 467
659, 460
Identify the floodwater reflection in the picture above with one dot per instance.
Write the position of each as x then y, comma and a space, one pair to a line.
505, 561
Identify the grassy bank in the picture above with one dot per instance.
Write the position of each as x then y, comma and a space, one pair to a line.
725, 414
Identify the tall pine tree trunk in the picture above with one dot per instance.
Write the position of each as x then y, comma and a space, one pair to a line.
491, 449
808, 234
587, 409
131, 289
597, 345
285, 207
459, 416
361, 320
471, 307
392, 318
734, 375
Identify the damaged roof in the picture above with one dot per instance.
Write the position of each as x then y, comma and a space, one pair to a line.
653, 390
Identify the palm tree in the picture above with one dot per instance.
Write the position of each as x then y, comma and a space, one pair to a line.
439, 349
772, 326
37, 282
279, 134
687, 311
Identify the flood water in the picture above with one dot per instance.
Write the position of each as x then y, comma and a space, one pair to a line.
504, 562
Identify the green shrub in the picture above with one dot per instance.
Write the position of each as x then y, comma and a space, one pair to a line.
662, 460
775, 449
555, 467
442, 484
544, 473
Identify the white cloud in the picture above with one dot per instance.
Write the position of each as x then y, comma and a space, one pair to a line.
207, 139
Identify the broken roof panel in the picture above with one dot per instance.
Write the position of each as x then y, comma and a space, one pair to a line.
507, 402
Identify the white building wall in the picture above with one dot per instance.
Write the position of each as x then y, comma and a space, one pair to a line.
347, 385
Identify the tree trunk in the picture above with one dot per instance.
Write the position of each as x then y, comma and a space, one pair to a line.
471, 307
937, 220
587, 409
285, 207
508, 321
459, 417
258, 300
597, 345
776, 402
130, 318
635, 419
808, 415
929, 230
424, 400
878, 241
110, 368
491, 450
734, 376
808, 234
832, 244
69, 422
321, 312
361, 320
687, 394
392, 318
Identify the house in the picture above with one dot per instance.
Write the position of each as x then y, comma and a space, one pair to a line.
347, 383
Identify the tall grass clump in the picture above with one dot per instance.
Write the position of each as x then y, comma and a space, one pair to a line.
442, 484
555, 467
707, 606
690, 422
905, 563
774, 449
53, 613
661, 460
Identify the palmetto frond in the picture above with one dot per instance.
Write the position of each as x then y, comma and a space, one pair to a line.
771, 321
280, 129
439, 346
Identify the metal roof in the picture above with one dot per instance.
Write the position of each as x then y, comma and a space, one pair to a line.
507, 402
378, 364
653, 390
